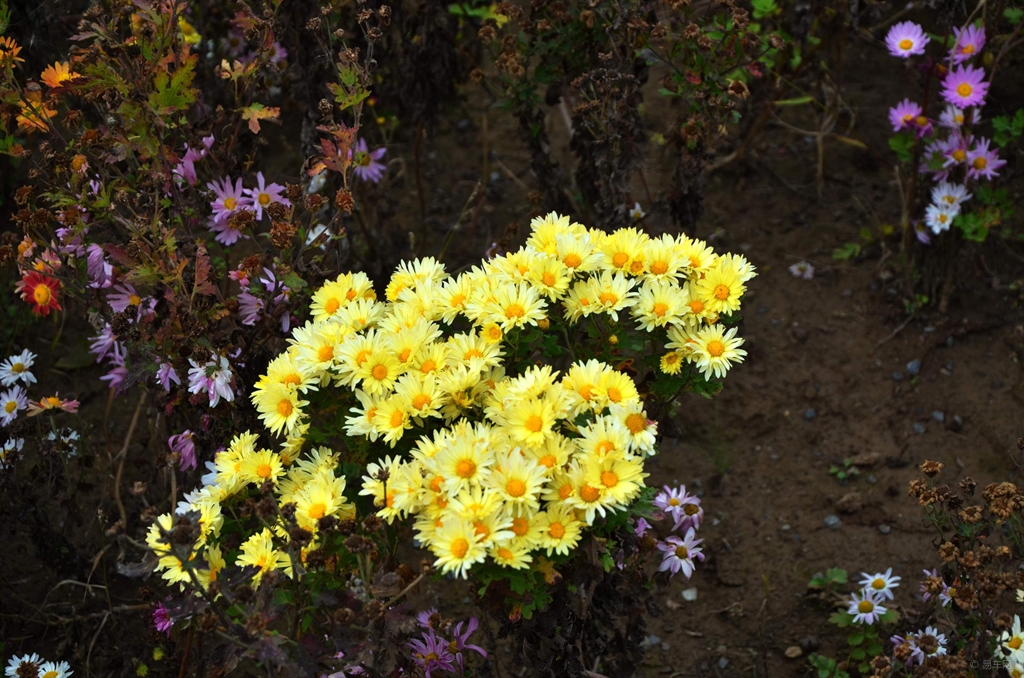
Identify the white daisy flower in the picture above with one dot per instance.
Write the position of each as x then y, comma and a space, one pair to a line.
22, 662
880, 584
55, 670
940, 217
17, 368
10, 450
953, 195
12, 401
636, 213
866, 607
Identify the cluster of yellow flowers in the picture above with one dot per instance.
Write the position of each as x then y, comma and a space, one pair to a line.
502, 466
309, 484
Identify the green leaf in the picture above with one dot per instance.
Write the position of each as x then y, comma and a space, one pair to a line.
764, 8
846, 252
798, 101
902, 145
855, 639
858, 654
1013, 14
172, 92
836, 574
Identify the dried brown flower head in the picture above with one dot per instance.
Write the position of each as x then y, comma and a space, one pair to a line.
931, 468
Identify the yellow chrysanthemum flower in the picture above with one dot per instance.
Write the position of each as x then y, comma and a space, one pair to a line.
559, 530
457, 547
714, 351
258, 551
261, 466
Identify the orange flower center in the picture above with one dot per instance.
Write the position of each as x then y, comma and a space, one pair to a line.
520, 526
959, 155
906, 43
865, 606
379, 372
636, 423
964, 89
505, 554
589, 494
515, 488
41, 295
264, 199
556, 530
659, 267
609, 298
614, 394
317, 511
420, 401
514, 311
697, 306
980, 163
572, 260
397, 419
466, 468
230, 202
534, 424
332, 305
620, 259
548, 460
609, 479
548, 278
284, 408
326, 353
264, 471
715, 348
460, 547
660, 309
721, 292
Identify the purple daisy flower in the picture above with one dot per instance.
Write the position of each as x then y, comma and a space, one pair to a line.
969, 43
983, 162
162, 619
956, 149
432, 653
225, 233
116, 376
123, 296
965, 86
249, 308
921, 231
903, 114
423, 618
365, 161
906, 39
104, 343
229, 198
678, 554
265, 194
185, 446
101, 273
166, 373
461, 640
641, 527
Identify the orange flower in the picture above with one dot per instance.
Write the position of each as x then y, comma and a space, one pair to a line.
9, 52
57, 74
41, 292
34, 113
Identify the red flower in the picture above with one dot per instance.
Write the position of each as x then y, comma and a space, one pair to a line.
40, 291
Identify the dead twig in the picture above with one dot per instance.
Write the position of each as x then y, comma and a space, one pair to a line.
123, 454
896, 331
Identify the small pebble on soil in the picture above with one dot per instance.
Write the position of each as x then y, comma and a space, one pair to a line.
832, 522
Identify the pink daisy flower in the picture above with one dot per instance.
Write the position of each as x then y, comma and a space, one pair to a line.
678, 554
229, 198
265, 194
903, 114
969, 43
906, 39
965, 86
983, 162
